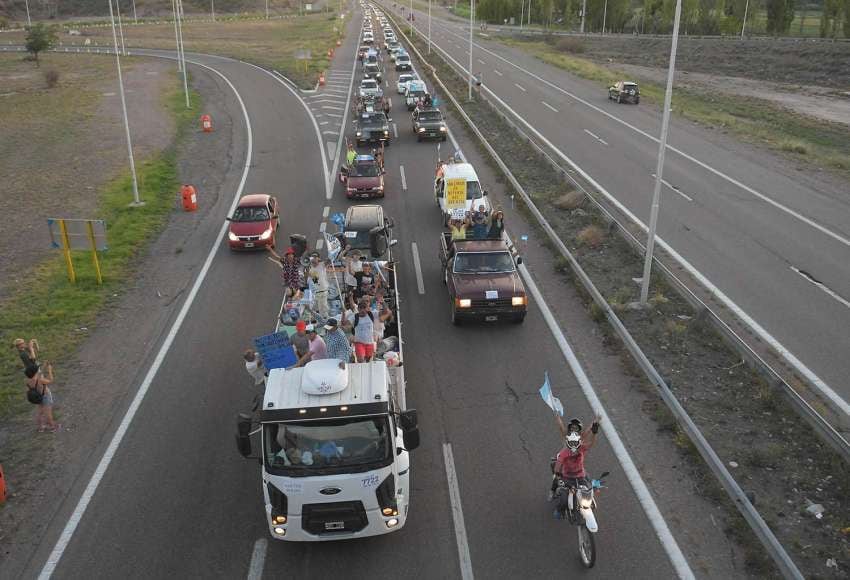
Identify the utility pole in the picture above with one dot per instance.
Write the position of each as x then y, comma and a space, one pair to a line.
521, 13
29, 21
267, 9
212, 9
744, 25
659, 168
136, 200
183, 52
604, 16
411, 19
429, 26
176, 36
120, 27
471, 26
135, 19
528, 20
583, 13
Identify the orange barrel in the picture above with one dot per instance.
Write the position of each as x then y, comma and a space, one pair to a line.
190, 198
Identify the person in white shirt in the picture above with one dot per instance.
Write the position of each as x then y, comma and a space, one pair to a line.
254, 367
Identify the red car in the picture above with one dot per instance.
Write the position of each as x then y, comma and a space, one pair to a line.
254, 223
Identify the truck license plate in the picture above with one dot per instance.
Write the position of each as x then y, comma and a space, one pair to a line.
249, 244
491, 318
334, 525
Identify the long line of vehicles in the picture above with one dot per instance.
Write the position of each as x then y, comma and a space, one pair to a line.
333, 437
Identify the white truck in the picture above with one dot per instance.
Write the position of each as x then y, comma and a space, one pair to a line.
334, 445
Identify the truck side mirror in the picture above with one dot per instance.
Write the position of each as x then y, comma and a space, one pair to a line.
243, 434
408, 419
519, 260
411, 439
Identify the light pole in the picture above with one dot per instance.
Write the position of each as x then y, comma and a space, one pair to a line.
744, 25
176, 36
183, 51
267, 9
135, 19
528, 20
471, 25
659, 168
583, 13
136, 200
604, 16
411, 19
521, 12
120, 27
429, 26
212, 9
29, 21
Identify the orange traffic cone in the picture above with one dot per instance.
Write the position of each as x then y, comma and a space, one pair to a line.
190, 198
206, 123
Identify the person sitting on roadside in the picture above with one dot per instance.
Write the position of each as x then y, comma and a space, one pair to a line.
496, 225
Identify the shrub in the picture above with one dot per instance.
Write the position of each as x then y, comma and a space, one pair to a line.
794, 147
570, 45
591, 236
570, 201
51, 78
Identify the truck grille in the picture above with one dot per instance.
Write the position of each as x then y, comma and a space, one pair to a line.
333, 518
495, 303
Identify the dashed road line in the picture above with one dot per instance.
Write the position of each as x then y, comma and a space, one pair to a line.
457, 514
403, 179
258, 559
395, 131
323, 226
520, 87
326, 212
595, 136
548, 106
481, 62
417, 265
320, 243
497, 72
674, 188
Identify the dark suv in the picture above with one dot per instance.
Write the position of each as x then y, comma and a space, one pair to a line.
624, 92
429, 124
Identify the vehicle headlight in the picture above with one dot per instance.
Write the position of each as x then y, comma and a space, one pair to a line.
266, 234
585, 502
518, 301
443, 129
359, 134
279, 520
464, 302
421, 129
386, 132
280, 531
233, 237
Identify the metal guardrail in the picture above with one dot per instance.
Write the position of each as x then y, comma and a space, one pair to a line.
742, 503
725, 37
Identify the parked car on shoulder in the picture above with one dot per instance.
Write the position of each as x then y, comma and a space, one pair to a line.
624, 92
253, 223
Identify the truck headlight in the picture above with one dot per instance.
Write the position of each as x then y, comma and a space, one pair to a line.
279, 504
464, 302
280, 531
518, 301
359, 134
386, 133
279, 520
421, 129
443, 129
233, 237
385, 494
266, 234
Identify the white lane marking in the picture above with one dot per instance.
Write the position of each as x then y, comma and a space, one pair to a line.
323, 226
331, 151
332, 107
498, 73
403, 180
258, 559
674, 188
520, 87
808, 221
817, 283
326, 212
320, 243
395, 131
123, 427
417, 265
635, 480
323, 122
481, 62
457, 514
595, 136
334, 115
548, 106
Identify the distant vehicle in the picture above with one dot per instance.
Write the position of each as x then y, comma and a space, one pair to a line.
361, 52
429, 124
415, 92
373, 71
365, 178
372, 127
369, 88
624, 91
403, 80
462, 176
402, 62
392, 44
368, 38
253, 223
482, 280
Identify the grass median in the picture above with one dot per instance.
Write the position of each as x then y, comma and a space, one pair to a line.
49, 307
752, 120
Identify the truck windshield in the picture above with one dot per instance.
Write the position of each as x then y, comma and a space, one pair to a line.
333, 446
483, 262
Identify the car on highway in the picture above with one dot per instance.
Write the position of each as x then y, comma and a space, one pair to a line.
402, 62
373, 71
368, 38
371, 127
369, 88
624, 92
253, 223
429, 124
392, 45
368, 230
414, 93
403, 80
363, 179
482, 280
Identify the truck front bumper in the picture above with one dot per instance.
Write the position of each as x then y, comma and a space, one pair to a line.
377, 524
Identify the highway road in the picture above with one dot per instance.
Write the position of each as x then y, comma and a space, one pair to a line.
176, 500
775, 239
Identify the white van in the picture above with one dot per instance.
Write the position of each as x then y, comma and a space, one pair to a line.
450, 180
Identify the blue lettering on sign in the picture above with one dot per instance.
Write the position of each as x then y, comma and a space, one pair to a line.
371, 480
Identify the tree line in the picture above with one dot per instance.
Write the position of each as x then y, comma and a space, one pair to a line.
699, 17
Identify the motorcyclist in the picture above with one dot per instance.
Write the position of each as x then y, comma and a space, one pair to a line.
569, 463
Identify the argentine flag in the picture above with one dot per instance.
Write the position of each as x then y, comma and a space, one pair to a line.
551, 400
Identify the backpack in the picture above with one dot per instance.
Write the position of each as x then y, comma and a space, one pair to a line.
357, 318
33, 396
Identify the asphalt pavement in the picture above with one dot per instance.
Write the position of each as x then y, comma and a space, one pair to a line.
775, 239
178, 501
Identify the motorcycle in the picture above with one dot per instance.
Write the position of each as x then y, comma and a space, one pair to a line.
580, 510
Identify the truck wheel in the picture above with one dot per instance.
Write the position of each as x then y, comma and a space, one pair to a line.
619, 99
455, 319
637, 101
519, 319
418, 138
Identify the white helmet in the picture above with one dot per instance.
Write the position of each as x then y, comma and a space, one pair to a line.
573, 440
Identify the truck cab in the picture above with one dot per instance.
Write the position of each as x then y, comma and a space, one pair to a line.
482, 280
456, 187
334, 451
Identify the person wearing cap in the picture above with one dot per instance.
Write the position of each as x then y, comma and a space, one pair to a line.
28, 351
316, 349
291, 270
336, 340
318, 273
299, 340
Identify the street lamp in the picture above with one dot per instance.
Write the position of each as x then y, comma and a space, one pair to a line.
136, 200
176, 36
212, 9
744, 25
604, 16
471, 25
182, 52
29, 21
120, 27
411, 19
583, 13
659, 168
429, 26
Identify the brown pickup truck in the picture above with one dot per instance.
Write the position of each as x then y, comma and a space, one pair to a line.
482, 280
